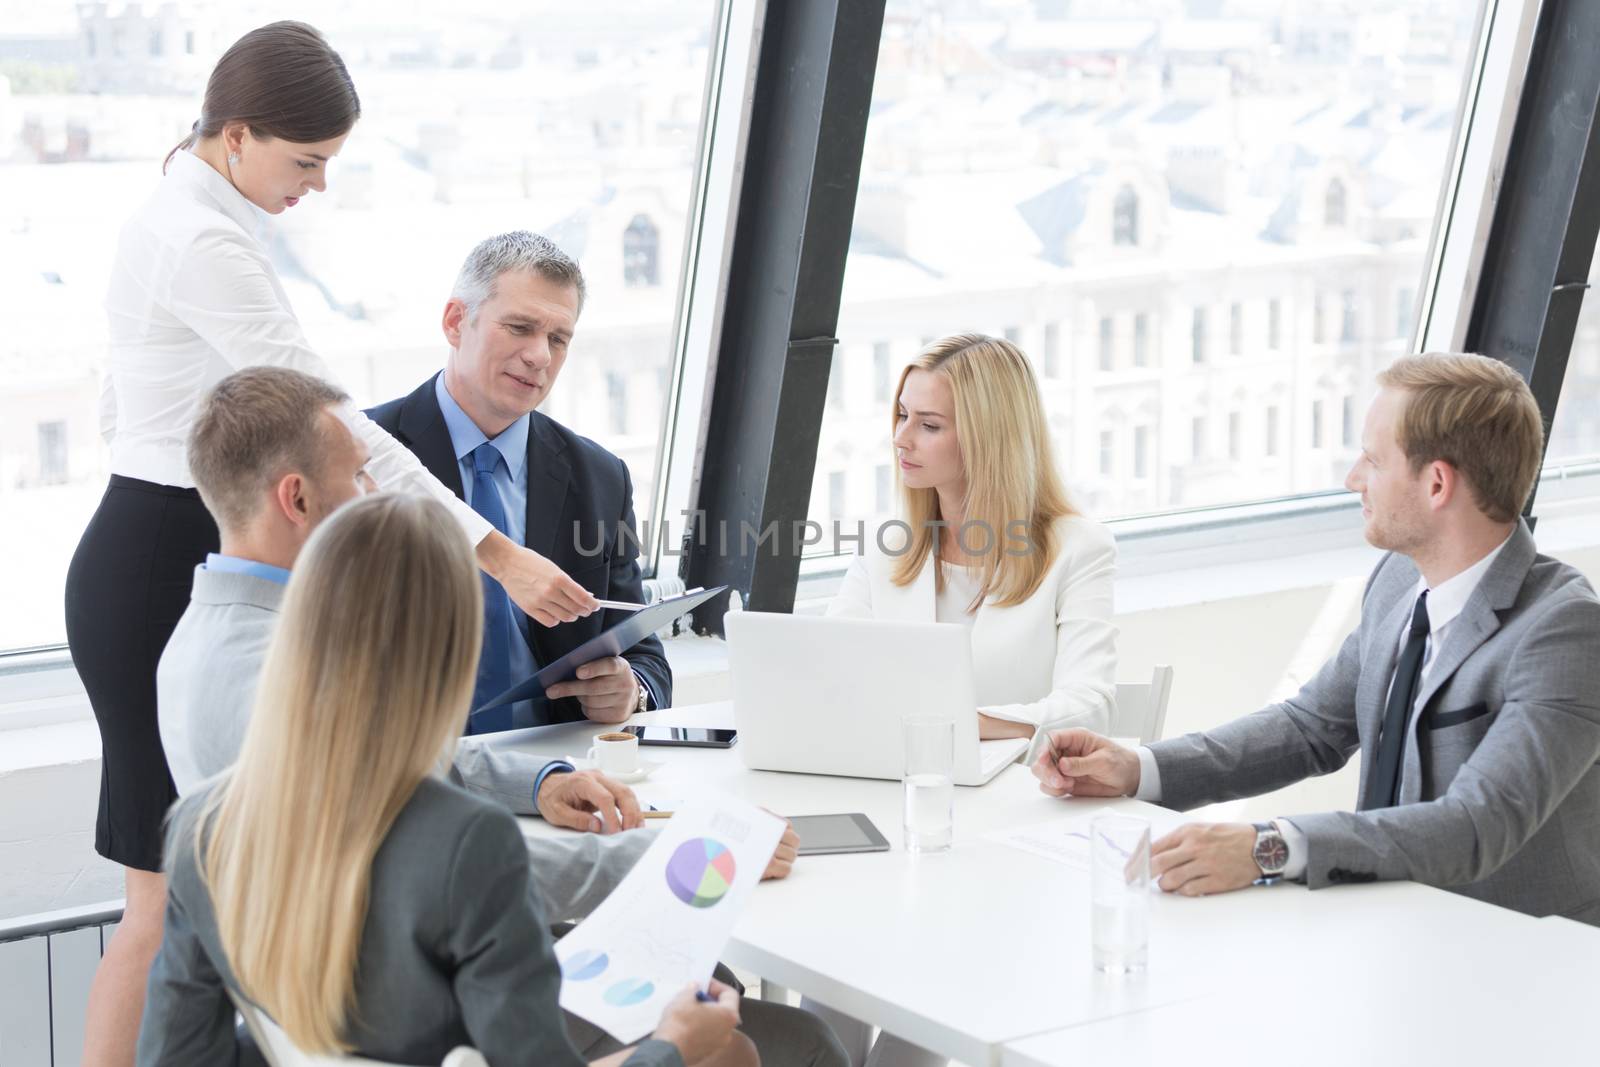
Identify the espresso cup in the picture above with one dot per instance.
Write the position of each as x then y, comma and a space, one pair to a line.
615, 753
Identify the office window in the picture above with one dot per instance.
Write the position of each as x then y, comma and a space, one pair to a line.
52, 453
1108, 454
1235, 431
1052, 350
1404, 308
1236, 330
1272, 430
1141, 451
836, 393
1575, 430
884, 489
1125, 218
881, 385
1334, 204
1014, 334
1319, 319
617, 401
1002, 134
641, 247
472, 123
1197, 437
1347, 316
1347, 421
1316, 424
836, 488
1108, 344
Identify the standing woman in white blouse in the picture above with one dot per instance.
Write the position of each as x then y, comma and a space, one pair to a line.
988, 540
194, 297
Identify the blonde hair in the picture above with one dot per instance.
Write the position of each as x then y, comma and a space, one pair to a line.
1476, 414
363, 692
1011, 471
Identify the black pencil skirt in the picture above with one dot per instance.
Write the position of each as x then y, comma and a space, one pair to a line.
127, 587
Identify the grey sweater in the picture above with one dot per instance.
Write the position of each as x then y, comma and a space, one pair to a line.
205, 687
455, 950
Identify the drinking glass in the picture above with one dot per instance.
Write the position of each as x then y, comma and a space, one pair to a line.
1119, 855
929, 782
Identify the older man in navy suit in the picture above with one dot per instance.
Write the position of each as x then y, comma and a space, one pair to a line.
509, 322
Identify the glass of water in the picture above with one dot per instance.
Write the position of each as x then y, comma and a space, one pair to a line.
1119, 857
929, 782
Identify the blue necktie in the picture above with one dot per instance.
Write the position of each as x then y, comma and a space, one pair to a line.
499, 628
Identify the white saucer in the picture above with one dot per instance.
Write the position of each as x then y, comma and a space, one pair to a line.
646, 768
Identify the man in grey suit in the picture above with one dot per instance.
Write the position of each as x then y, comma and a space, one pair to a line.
1471, 687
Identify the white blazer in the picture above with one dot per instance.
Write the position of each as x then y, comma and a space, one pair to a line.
1050, 661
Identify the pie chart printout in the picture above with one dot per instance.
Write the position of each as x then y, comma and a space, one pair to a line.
587, 964
629, 991
700, 872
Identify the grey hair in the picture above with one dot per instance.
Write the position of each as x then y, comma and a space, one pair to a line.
517, 250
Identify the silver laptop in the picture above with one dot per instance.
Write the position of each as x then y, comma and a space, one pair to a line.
825, 696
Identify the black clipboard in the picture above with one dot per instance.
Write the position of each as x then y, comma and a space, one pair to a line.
612, 641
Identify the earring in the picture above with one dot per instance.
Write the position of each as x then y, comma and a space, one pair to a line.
233, 159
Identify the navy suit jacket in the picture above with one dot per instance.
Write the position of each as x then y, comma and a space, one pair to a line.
579, 495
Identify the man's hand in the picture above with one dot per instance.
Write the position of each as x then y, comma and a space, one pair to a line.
783, 856
1204, 858
588, 800
606, 688
1081, 763
543, 590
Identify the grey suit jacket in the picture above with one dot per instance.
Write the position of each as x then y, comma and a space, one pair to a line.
454, 951
1500, 790
205, 687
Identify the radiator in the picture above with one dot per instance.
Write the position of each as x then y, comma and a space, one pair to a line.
46, 964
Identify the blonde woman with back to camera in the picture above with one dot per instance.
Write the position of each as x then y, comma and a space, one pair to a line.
333, 878
994, 545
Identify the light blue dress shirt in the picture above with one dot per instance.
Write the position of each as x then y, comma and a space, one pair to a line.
511, 478
215, 561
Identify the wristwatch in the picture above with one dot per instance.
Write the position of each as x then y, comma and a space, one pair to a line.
644, 693
1271, 853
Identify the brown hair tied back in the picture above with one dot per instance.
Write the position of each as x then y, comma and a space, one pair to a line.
281, 80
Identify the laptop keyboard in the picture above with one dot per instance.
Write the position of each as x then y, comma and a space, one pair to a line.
992, 755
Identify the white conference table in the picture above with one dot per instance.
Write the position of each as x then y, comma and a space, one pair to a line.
973, 951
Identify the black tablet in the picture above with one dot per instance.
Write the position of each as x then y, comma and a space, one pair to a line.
821, 834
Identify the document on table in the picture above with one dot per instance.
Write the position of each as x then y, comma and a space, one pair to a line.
1066, 840
664, 926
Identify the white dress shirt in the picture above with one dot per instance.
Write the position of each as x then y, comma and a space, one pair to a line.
1445, 604
193, 298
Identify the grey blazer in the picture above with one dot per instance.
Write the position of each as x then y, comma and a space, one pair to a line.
205, 686
1500, 790
455, 949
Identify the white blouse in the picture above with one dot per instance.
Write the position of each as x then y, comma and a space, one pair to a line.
193, 298
954, 601
1050, 661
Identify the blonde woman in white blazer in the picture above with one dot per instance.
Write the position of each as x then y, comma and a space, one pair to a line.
988, 540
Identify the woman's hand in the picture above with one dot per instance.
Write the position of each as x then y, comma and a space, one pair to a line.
538, 587
992, 729
700, 1028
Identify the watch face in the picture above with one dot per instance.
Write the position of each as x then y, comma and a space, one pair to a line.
1271, 853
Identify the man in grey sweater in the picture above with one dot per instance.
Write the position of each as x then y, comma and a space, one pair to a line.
272, 458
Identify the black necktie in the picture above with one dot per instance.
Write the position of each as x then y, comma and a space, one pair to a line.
1383, 784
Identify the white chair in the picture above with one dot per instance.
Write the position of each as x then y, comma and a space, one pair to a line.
281, 1052
1141, 708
